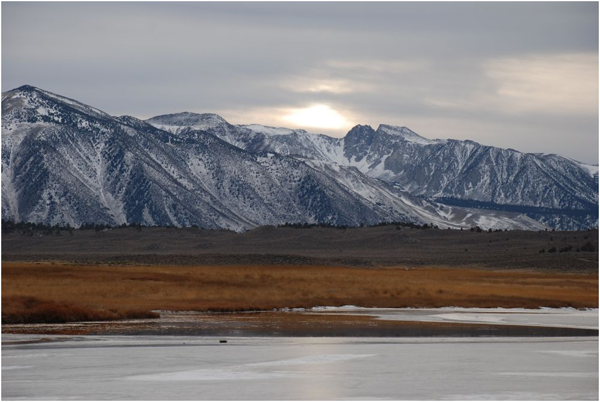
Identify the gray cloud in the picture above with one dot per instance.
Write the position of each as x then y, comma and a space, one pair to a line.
519, 75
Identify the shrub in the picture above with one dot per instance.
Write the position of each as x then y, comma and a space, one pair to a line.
588, 247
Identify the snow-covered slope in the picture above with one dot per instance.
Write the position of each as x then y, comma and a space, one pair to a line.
552, 189
65, 162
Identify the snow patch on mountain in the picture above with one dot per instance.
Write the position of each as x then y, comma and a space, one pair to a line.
257, 128
591, 169
178, 121
406, 134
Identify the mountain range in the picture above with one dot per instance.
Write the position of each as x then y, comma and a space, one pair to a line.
69, 163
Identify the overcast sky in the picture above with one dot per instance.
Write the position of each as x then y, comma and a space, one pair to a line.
515, 75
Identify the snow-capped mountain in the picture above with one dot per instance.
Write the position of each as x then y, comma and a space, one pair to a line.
555, 190
66, 162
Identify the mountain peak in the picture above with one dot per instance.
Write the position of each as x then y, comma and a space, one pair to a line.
25, 88
361, 127
361, 131
404, 132
41, 105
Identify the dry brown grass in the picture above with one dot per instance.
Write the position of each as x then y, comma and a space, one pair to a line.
27, 309
114, 292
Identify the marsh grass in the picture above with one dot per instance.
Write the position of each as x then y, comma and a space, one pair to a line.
28, 309
64, 293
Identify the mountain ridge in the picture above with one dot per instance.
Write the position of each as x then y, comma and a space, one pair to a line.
448, 169
380, 127
67, 162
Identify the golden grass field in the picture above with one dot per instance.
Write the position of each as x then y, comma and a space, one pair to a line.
45, 292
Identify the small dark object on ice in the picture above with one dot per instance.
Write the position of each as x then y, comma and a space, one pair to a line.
222, 341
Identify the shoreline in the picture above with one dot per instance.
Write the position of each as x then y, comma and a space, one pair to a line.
395, 323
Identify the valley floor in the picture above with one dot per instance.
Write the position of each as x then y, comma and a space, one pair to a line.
381, 246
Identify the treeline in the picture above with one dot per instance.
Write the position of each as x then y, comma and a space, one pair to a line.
399, 226
490, 230
331, 226
31, 228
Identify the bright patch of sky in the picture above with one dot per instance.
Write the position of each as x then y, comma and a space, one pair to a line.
318, 116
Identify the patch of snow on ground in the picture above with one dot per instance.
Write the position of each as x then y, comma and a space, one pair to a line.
545, 317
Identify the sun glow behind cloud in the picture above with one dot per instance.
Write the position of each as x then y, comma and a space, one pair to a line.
309, 85
317, 116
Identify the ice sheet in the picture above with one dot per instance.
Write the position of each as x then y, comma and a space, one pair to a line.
183, 368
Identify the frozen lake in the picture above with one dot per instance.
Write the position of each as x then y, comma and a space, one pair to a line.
544, 317
251, 368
